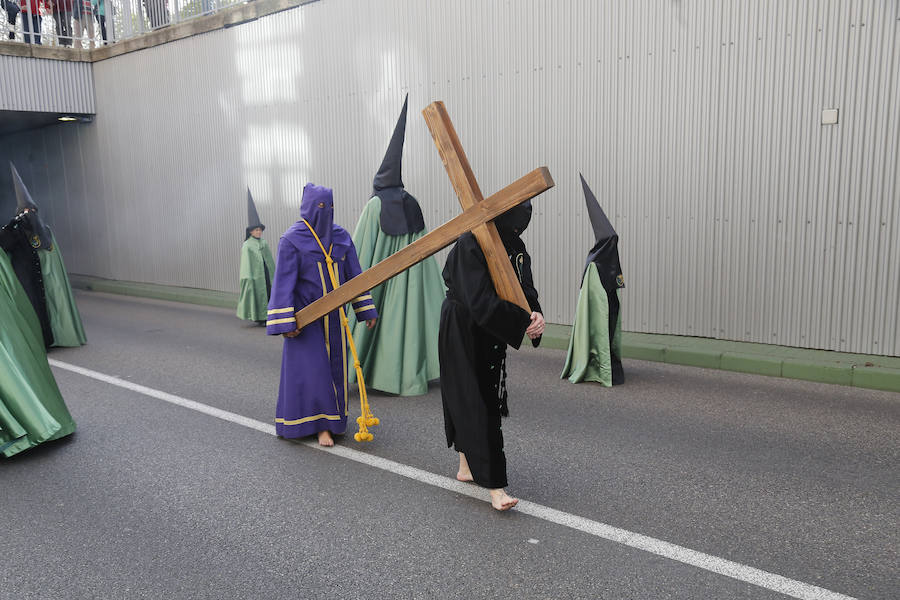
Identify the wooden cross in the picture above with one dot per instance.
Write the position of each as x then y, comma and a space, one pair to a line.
476, 217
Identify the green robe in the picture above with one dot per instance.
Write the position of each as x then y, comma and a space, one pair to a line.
256, 263
589, 347
31, 407
400, 355
65, 321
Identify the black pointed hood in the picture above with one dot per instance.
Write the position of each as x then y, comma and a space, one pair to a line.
28, 215
389, 173
252, 216
400, 212
23, 198
605, 253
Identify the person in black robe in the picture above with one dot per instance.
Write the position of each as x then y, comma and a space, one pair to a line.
475, 328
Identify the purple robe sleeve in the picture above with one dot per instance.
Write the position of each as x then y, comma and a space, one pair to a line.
280, 318
363, 305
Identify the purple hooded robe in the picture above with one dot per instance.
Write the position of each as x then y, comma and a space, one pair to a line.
312, 395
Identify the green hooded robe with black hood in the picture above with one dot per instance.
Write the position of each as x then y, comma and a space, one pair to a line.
257, 269
400, 354
38, 263
595, 348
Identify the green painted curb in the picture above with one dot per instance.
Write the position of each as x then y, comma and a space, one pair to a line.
555, 337
694, 357
751, 363
638, 351
554, 342
816, 371
859, 370
876, 378
158, 292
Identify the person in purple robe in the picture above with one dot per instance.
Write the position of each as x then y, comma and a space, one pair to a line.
312, 395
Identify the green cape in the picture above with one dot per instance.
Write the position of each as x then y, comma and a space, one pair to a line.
400, 355
256, 258
31, 408
65, 321
589, 348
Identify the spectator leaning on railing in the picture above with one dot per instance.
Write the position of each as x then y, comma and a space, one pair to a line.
157, 12
83, 25
12, 11
62, 14
31, 20
99, 8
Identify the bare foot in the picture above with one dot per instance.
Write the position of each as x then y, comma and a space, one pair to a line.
463, 474
501, 500
325, 439
464, 477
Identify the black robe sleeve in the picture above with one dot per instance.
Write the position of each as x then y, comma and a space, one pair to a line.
521, 260
469, 282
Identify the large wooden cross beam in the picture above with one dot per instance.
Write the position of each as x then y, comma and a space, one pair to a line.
476, 217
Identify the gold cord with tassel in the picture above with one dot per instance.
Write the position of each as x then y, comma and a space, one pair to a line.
366, 418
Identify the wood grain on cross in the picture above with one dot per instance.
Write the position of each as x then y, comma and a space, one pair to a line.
506, 283
476, 217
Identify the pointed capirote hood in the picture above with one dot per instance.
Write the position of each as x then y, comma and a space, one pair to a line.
605, 252
23, 198
252, 216
389, 173
603, 229
28, 214
400, 211
317, 208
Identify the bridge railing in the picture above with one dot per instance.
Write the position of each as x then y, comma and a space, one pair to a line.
90, 24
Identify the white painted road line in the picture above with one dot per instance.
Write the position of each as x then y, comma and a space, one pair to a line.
721, 566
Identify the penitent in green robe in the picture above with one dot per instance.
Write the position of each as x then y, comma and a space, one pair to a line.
257, 269
65, 320
400, 354
589, 357
31, 407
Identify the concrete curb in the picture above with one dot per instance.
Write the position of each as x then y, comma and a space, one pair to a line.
155, 291
781, 361
857, 370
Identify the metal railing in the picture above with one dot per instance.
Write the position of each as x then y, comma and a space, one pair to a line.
90, 24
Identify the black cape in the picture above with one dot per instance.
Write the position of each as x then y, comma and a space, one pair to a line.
605, 254
476, 326
17, 239
400, 212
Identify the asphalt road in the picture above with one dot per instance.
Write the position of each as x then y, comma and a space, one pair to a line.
152, 500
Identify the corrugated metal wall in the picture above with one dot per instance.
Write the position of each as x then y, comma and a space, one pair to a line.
697, 123
35, 84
